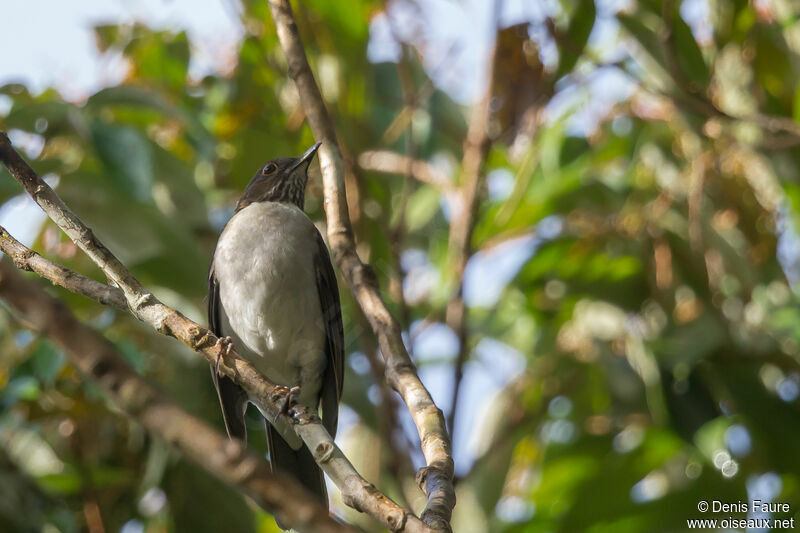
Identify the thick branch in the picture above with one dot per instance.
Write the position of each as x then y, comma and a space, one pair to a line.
436, 479
227, 459
356, 491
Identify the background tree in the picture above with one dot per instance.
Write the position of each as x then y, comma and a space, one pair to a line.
595, 261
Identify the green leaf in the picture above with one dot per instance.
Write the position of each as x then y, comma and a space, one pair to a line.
650, 43
209, 505
71, 481
127, 157
161, 249
423, 204
62, 483
691, 342
576, 36
21, 388
129, 95
773, 66
350, 23
46, 362
688, 55
711, 437
160, 57
572, 148
142, 97
29, 116
108, 35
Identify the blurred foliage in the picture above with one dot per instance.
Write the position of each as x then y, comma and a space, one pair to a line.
654, 316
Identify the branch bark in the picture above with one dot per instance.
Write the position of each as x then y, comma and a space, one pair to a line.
436, 479
356, 491
226, 459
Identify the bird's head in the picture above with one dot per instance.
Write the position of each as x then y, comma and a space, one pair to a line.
280, 180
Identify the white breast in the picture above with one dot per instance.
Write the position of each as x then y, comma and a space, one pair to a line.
264, 263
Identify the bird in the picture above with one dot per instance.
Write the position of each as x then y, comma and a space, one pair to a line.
272, 293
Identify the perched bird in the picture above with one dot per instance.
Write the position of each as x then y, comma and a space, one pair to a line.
272, 293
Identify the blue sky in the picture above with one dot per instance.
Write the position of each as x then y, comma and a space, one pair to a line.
58, 49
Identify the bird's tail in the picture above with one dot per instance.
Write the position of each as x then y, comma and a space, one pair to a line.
299, 463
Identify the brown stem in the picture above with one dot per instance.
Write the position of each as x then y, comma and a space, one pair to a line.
476, 146
389, 162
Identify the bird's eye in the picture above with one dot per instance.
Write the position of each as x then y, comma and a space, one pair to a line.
270, 169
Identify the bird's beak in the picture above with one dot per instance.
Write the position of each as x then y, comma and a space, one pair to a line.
306, 157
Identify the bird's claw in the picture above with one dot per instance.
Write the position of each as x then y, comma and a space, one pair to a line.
290, 399
225, 345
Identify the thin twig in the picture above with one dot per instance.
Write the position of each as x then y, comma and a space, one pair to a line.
390, 162
476, 146
356, 491
227, 459
436, 478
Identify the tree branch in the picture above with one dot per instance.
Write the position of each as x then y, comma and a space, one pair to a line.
390, 162
27, 259
476, 146
436, 479
356, 491
226, 459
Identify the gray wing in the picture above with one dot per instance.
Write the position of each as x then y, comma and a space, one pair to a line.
332, 381
232, 398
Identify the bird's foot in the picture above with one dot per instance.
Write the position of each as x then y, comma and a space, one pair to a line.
225, 345
290, 398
